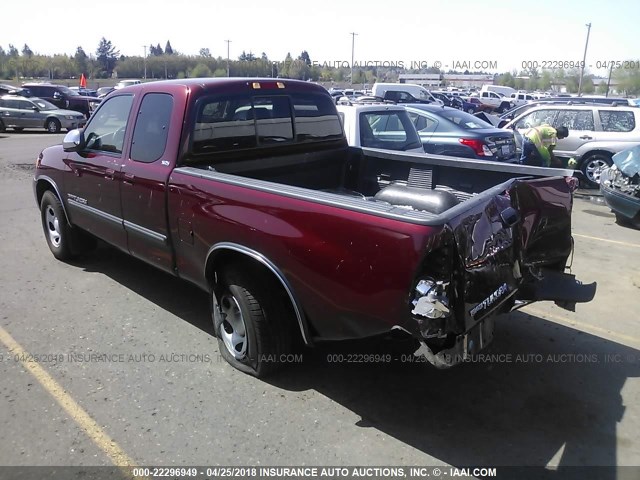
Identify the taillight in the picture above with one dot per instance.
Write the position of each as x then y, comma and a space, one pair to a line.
478, 146
573, 183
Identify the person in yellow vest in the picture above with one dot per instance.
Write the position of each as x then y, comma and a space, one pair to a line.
538, 144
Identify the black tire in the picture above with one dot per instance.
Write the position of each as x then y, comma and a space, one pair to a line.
250, 301
592, 167
2, 127
65, 242
18, 129
628, 222
53, 125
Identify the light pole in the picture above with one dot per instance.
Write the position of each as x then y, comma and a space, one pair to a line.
584, 58
228, 42
353, 43
145, 61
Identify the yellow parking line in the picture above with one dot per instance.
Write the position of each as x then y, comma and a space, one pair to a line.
626, 244
75, 411
610, 335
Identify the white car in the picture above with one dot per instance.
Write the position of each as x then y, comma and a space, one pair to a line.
379, 125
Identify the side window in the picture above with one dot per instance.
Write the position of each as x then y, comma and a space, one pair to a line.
105, 131
575, 120
152, 127
422, 123
617, 120
534, 119
24, 105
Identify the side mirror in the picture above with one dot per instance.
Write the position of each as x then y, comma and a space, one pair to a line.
57, 96
73, 141
35, 108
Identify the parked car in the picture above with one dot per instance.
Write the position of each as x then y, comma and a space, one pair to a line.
18, 113
87, 92
446, 101
379, 126
478, 105
63, 97
104, 91
448, 131
127, 83
596, 133
620, 186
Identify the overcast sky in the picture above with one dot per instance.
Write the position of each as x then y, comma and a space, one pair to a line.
448, 31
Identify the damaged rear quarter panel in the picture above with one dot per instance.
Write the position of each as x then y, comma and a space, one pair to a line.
495, 255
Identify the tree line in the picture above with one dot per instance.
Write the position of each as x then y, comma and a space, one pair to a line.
160, 63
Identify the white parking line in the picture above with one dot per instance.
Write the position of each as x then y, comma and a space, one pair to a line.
626, 244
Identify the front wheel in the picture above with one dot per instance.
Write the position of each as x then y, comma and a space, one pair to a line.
65, 242
593, 166
53, 125
2, 127
56, 229
251, 321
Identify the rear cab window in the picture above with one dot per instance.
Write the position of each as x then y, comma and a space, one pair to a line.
226, 123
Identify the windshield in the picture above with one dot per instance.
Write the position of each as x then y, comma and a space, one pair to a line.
44, 105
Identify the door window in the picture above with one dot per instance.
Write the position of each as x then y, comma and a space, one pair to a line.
105, 131
152, 127
575, 120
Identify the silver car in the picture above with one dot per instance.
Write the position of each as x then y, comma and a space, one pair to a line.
596, 132
19, 113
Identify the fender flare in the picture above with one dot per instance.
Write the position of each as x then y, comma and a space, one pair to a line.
260, 258
54, 187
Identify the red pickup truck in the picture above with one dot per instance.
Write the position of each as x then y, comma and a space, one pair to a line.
247, 188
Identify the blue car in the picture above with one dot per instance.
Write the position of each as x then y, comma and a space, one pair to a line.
620, 186
448, 131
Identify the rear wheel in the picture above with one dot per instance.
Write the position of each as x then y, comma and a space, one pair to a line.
53, 125
2, 127
18, 129
251, 320
593, 166
470, 110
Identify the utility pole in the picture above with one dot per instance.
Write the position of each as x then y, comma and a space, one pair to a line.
353, 43
584, 58
228, 42
609, 80
145, 62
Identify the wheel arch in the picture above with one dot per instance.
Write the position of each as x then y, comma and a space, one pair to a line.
598, 151
44, 184
223, 253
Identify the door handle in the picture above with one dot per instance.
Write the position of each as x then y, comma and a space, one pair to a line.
585, 137
128, 178
110, 174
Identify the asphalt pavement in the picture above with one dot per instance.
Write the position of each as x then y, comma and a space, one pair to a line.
125, 368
